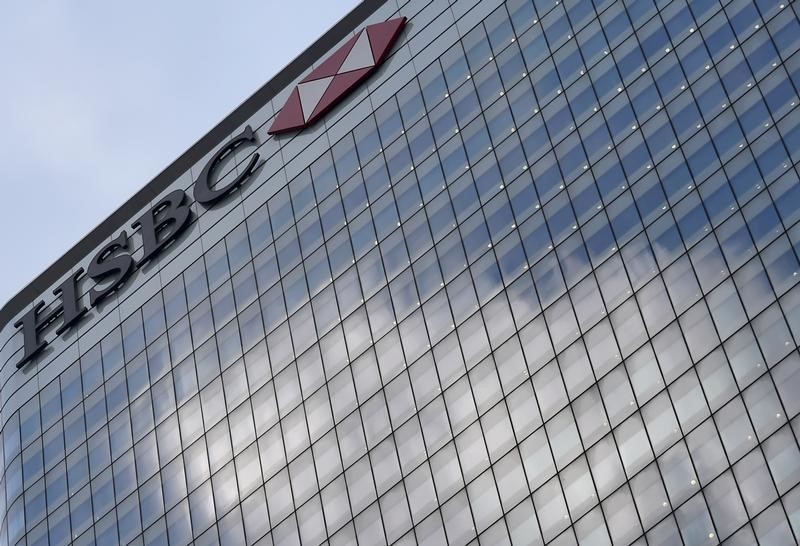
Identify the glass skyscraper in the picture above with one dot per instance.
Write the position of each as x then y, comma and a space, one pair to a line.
535, 281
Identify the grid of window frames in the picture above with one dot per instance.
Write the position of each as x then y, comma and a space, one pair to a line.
546, 294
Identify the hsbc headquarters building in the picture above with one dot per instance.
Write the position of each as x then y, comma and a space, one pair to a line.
465, 272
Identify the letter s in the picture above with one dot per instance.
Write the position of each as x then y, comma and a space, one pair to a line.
105, 266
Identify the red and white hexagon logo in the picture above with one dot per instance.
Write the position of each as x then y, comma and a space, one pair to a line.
335, 78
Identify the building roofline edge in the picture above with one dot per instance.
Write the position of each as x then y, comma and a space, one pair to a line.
197, 151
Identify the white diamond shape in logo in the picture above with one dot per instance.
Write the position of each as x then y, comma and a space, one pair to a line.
359, 57
311, 93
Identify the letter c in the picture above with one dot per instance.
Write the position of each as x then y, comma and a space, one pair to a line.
203, 191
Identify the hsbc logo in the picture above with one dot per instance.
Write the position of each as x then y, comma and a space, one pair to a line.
337, 76
113, 265
159, 228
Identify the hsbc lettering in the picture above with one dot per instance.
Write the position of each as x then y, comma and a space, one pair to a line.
113, 265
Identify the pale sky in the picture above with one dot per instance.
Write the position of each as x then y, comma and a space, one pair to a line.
98, 97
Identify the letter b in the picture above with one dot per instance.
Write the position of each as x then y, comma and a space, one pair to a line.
163, 223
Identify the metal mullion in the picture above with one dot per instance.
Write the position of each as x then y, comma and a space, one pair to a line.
349, 368
336, 434
580, 439
381, 391
199, 390
177, 420
710, 418
767, 373
774, 123
478, 415
672, 404
490, 466
338, 448
271, 384
635, 302
211, 476
180, 441
337, 192
451, 312
640, 232
555, 359
426, 114
605, 309
293, 362
676, 320
8, 503
504, 401
405, 365
785, 232
749, 321
171, 366
567, 294
430, 348
440, 392
595, 382
478, 311
647, 119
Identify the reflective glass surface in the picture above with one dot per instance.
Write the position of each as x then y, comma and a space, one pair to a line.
545, 294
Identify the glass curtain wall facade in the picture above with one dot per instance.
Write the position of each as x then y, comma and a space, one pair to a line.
546, 293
